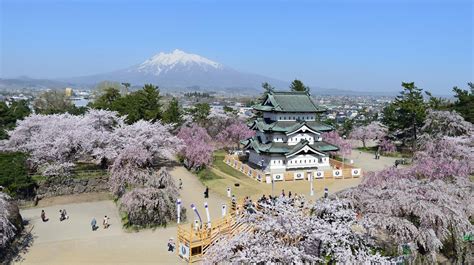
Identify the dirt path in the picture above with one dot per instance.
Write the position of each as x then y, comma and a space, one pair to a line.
367, 161
73, 242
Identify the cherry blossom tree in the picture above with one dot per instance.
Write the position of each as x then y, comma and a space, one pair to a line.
50, 140
425, 215
387, 146
427, 206
439, 124
335, 139
56, 142
233, 134
152, 203
197, 150
217, 124
372, 131
444, 158
282, 232
10, 221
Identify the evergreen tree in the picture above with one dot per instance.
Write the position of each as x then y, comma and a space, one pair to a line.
405, 116
267, 88
10, 114
106, 99
143, 104
125, 91
464, 104
297, 85
173, 114
149, 102
200, 112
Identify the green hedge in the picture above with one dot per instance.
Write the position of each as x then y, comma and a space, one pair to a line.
14, 175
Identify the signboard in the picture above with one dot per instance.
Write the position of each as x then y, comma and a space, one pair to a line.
183, 251
355, 172
298, 175
319, 174
337, 173
278, 177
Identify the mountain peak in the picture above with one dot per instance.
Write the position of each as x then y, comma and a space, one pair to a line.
163, 62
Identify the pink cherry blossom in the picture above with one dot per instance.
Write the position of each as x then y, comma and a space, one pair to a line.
197, 150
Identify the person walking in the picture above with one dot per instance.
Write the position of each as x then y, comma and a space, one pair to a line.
94, 224
171, 245
206, 193
180, 184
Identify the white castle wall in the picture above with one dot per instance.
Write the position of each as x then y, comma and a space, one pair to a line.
289, 116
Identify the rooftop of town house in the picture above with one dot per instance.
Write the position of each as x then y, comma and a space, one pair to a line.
288, 126
288, 101
283, 148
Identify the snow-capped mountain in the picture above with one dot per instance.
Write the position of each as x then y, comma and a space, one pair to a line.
163, 62
179, 69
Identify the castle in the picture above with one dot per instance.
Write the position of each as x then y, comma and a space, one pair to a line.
288, 136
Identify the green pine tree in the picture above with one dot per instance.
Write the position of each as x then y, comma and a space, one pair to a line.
173, 114
297, 85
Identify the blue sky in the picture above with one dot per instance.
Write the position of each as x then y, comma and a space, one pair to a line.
357, 45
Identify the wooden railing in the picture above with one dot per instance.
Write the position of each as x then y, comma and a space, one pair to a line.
197, 241
338, 170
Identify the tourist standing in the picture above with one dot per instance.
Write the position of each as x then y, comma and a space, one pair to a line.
61, 215
43, 216
106, 222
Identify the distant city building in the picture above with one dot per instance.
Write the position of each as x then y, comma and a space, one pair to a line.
68, 92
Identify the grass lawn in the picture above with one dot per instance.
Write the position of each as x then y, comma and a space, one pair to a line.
222, 166
207, 174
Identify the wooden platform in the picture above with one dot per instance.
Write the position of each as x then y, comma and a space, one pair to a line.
193, 242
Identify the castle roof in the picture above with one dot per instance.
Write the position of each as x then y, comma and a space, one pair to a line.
285, 149
288, 101
288, 126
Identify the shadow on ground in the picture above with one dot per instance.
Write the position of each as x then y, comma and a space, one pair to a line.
19, 247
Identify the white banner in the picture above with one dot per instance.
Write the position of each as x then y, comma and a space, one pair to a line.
319, 174
337, 173
278, 177
298, 175
355, 172
268, 179
184, 251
